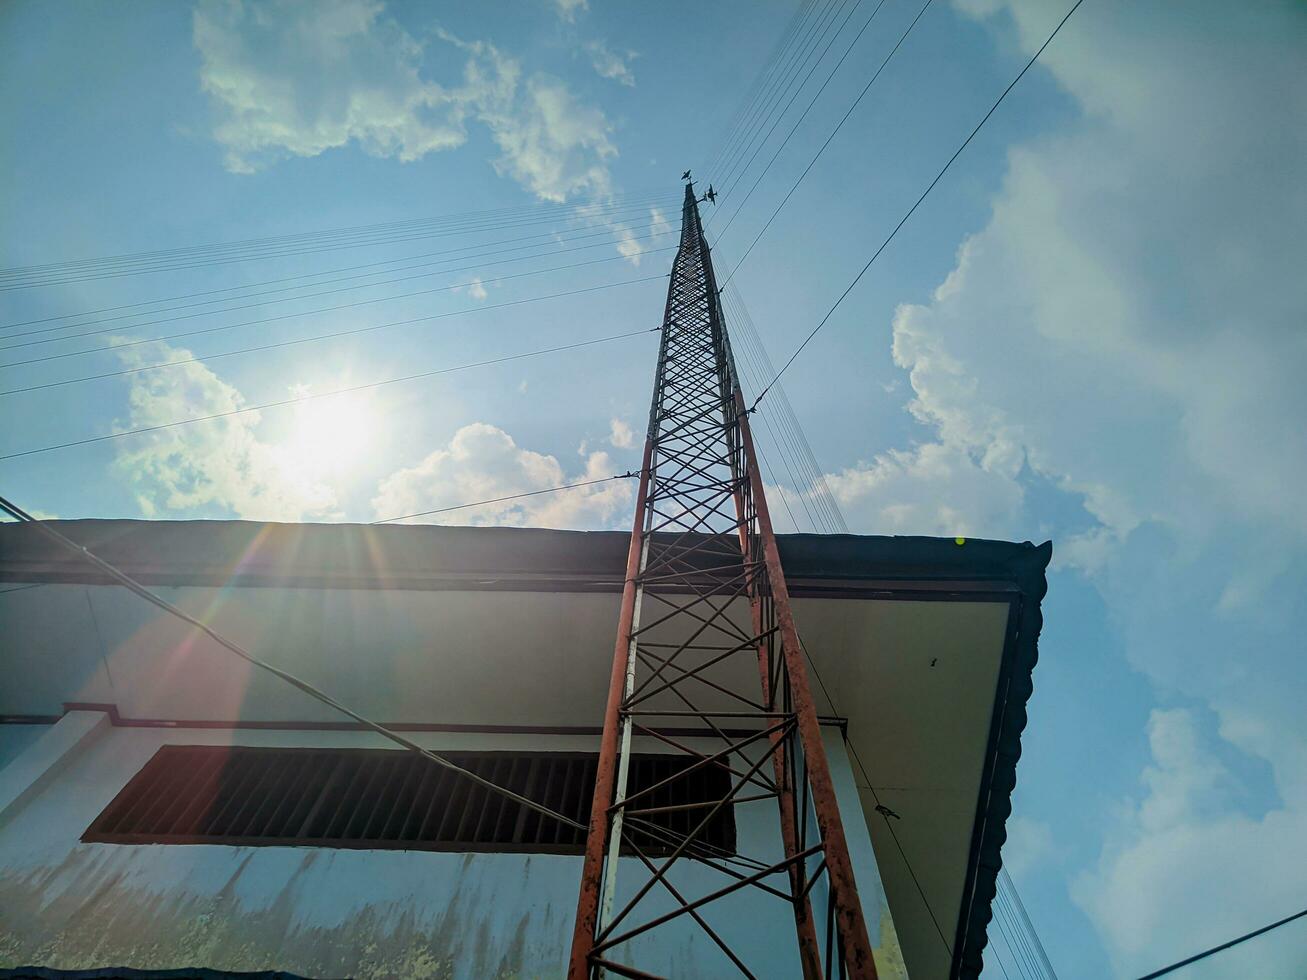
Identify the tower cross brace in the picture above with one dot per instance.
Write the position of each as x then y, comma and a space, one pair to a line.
705, 595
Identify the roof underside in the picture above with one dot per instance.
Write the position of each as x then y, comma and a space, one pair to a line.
861, 603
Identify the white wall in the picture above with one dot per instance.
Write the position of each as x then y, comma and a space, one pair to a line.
322, 912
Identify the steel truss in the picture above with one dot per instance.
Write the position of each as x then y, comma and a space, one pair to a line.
705, 596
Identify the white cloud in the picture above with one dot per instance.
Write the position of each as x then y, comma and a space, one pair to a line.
1128, 328
552, 144
661, 226
1030, 843
633, 247
289, 79
568, 9
620, 434
220, 464
483, 462
475, 288
611, 64
1183, 869
297, 79
936, 488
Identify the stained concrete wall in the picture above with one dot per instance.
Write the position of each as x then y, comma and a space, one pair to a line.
332, 913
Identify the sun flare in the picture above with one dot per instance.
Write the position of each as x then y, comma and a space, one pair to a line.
330, 437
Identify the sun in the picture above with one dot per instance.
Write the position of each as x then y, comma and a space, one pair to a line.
330, 436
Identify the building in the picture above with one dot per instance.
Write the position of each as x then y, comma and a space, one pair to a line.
123, 728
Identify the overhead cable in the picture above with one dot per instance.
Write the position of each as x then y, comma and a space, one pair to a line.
453, 218
451, 255
472, 283
730, 177
322, 394
285, 253
318, 695
515, 496
822, 23
789, 420
822, 149
1030, 926
748, 365
917, 203
189, 252
315, 338
767, 82
202, 262
750, 96
326, 309
1224, 946
803, 115
1002, 919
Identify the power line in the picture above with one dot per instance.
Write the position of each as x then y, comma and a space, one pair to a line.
484, 215
1030, 926
999, 960
822, 149
177, 362
823, 24
751, 94
917, 203
790, 420
469, 220
782, 67
761, 107
476, 281
285, 253
798, 90
752, 361
513, 496
132, 585
552, 238
755, 89
1002, 916
324, 394
803, 115
291, 252
1224, 946
745, 364
324, 309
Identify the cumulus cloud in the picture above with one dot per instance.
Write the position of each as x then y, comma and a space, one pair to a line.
553, 144
294, 79
611, 64
935, 488
620, 434
219, 464
483, 462
1128, 328
1182, 843
289, 79
1030, 843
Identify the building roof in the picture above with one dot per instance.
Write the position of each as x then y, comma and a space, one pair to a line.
418, 558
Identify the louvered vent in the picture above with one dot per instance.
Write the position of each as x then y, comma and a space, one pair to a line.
363, 798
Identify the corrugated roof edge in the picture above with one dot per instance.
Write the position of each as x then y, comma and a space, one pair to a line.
391, 553
1027, 568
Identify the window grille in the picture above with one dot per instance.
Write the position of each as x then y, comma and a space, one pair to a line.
380, 798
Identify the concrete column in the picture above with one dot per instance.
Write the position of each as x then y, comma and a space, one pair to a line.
31, 772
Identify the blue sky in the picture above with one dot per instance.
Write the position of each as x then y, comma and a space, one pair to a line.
1092, 331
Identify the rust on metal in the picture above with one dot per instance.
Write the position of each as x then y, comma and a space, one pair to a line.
702, 550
